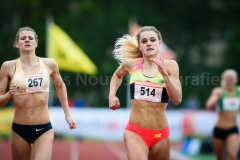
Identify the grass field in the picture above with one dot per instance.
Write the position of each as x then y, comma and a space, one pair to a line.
178, 155
203, 157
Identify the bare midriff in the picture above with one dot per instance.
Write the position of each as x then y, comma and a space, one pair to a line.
150, 115
227, 119
31, 109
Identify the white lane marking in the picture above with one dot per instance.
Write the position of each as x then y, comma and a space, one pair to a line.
74, 150
117, 151
174, 154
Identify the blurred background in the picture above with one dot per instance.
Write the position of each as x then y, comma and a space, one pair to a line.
201, 35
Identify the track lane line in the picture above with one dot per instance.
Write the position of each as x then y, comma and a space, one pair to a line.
74, 150
117, 151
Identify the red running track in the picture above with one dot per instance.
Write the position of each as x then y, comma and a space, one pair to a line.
77, 150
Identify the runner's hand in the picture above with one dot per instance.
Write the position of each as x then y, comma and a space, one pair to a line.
114, 103
160, 64
13, 89
72, 124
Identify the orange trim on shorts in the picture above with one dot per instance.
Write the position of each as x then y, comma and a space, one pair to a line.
150, 137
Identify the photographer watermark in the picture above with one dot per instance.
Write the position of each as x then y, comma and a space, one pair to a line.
203, 79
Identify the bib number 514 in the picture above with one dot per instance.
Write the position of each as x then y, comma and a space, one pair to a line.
147, 91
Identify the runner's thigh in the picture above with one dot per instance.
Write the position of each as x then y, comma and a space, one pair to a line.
161, 150
21, 149
135, 146
42, 147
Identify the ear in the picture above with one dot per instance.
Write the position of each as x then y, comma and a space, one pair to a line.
16, 44
36, 45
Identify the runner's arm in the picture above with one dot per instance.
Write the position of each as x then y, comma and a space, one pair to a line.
173, 85
117, 78
59, 86
213, 98
4, 96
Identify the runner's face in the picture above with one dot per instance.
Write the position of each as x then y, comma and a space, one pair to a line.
230, 80
149, 43
26, 41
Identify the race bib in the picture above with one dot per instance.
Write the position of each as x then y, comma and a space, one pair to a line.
231, 104
34, 82
148, 91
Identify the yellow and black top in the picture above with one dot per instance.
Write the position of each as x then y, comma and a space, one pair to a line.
145, 88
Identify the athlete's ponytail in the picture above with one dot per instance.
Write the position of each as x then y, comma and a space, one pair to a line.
126, 47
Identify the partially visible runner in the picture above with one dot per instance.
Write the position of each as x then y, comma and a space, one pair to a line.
153, 81
227, 98
28, 78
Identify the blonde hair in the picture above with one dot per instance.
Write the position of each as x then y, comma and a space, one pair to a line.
228, 72
25, 29
128, 46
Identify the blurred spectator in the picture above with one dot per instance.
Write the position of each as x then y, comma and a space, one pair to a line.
80, 102
192, 102
170, 105
71, 102
56, 102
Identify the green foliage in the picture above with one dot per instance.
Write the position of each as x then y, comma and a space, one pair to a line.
188, 27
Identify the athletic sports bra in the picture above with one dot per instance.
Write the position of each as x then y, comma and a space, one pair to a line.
145, 88
230, 103
31, 83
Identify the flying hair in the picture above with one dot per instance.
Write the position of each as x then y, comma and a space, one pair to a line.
126, 47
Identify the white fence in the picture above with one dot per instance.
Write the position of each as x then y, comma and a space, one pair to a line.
106, 124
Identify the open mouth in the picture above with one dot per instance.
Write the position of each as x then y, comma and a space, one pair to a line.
149, 49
